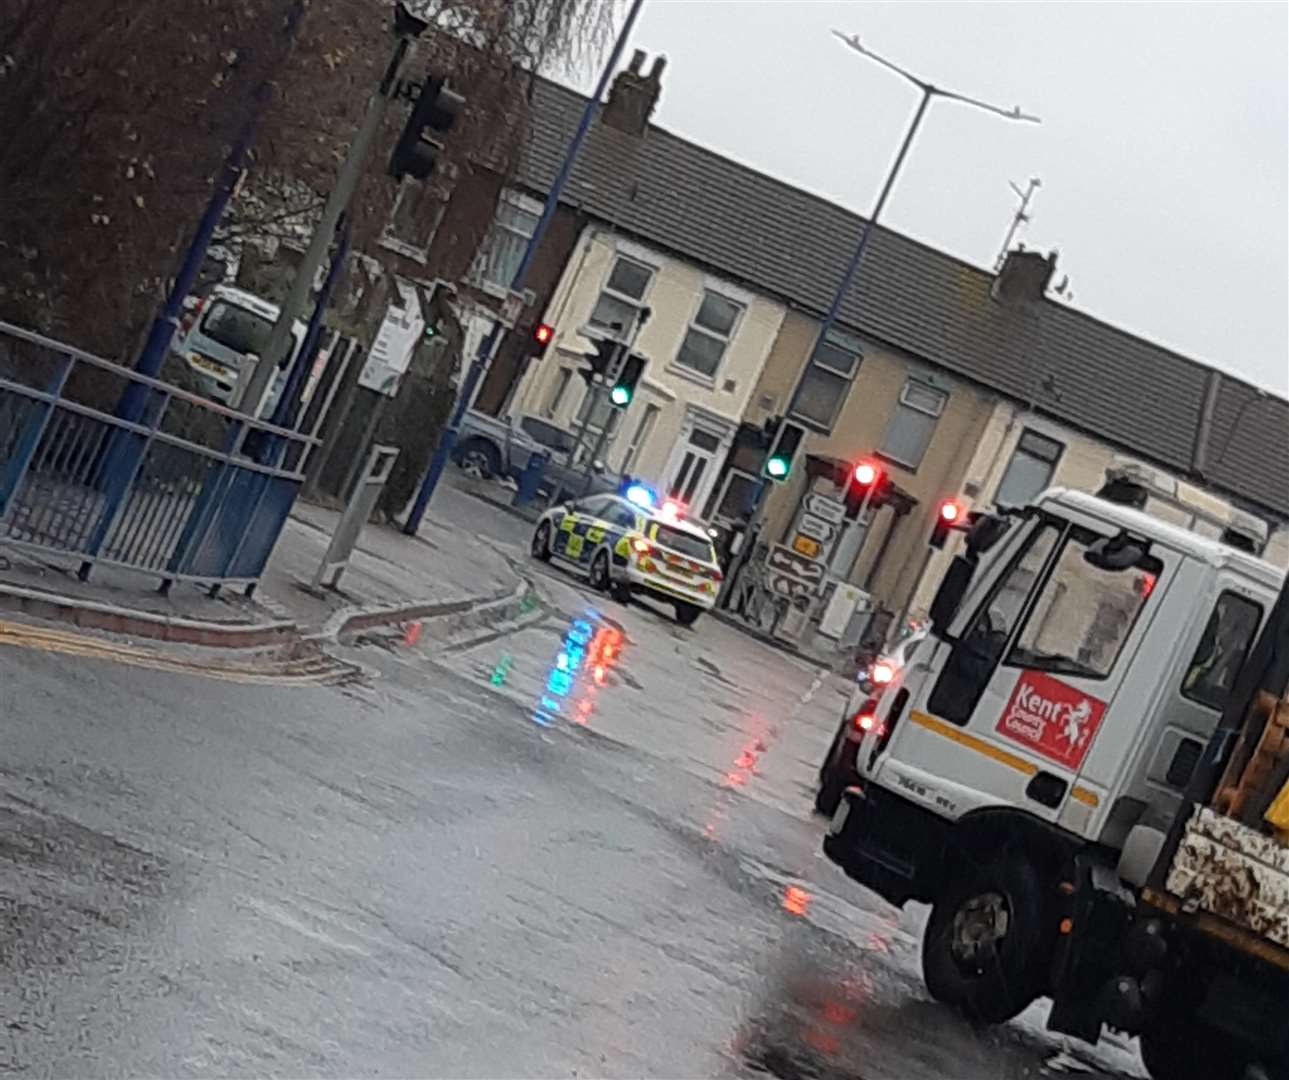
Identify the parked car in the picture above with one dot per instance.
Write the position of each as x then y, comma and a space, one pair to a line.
489, 446
839, 768
221, 333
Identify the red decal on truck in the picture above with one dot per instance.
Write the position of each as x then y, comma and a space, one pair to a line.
1051, 718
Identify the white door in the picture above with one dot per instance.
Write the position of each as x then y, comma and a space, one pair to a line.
693, 466
1014, 704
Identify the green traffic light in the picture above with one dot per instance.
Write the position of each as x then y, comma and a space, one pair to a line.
777, 467
620, 396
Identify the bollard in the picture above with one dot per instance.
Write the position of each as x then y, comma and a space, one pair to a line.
530, 480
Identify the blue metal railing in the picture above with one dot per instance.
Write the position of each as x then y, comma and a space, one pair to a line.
188, 491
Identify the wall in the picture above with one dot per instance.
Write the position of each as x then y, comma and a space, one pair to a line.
674, 294
858, 433
1082, 466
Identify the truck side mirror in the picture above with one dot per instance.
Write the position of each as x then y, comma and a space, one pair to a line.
953, 588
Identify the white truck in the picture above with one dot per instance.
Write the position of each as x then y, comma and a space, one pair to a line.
1054, 774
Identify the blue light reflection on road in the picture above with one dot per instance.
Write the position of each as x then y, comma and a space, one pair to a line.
580, 667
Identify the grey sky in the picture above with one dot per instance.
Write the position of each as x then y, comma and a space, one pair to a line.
1163, 152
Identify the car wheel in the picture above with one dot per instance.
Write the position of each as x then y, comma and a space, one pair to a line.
832, 782
479, 458
687, 614
541, 546
986, 948
600, 581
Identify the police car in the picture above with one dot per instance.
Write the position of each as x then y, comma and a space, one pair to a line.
628, 547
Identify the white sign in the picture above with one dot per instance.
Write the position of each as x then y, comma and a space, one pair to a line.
789, 564
391, 352
816, 528
789, 587
831, 510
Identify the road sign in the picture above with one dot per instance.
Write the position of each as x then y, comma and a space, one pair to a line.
787, 562
804, 545
788, 587
831, 510
816, 528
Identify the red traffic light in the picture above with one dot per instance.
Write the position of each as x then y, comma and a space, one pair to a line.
950, 510
542, 333
866, 473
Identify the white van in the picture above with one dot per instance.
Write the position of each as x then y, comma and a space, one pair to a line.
221, 331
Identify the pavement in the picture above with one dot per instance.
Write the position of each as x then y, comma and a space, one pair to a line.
447, 565
578, 845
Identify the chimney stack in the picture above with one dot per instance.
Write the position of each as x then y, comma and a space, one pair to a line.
634, 95
1024, 277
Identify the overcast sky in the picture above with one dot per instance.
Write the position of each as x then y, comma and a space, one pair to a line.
1163, 151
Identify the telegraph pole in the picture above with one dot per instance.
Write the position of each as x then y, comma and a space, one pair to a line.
927, 91
408, 28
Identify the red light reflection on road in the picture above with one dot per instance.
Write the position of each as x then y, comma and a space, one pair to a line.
581, 667
796, 901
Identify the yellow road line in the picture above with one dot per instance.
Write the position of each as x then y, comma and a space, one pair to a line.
42, 639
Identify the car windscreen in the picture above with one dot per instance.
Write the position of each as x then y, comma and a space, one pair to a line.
684, 543
237, 328
547, 434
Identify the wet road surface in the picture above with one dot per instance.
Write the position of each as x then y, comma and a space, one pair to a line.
579, 849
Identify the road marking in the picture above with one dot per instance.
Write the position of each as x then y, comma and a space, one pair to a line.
24, 636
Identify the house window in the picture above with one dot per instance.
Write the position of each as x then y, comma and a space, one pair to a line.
643, 430
556, 398
418, 210
1030, 469
623, 295
827, 380
512, 228
911, 427
709, 334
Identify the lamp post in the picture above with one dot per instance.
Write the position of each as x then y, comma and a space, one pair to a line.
927, 92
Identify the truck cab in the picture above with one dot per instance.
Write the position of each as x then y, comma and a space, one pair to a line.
1081, 654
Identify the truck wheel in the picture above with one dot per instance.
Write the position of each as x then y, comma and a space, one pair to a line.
1178, 1047
478, 457
986, 950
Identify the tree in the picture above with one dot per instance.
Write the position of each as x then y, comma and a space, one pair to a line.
117, 117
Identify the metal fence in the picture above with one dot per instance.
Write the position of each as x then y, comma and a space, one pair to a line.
110, 467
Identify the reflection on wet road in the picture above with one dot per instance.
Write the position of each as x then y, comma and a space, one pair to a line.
583, 848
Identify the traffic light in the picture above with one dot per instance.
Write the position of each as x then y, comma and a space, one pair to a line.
543, 334
432, 117
949, 515
624, 387
778, 462
867, 480
606, 351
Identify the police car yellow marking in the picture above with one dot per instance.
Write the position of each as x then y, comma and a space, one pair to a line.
567, 524
595, 534
573, 549
622, 547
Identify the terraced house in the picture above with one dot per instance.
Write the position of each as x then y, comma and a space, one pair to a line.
959, 381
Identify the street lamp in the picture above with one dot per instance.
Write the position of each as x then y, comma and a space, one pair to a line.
928, 91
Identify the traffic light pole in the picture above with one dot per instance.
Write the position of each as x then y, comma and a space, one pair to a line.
825, 327
611, 376
488, 347
320, 243
927, 91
